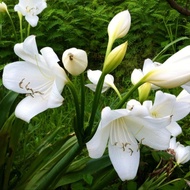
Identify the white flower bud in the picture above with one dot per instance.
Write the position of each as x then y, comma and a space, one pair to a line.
119, 25
75, 61
3, 7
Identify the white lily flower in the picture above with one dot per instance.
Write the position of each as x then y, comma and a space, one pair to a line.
180, 152
174, 72
166, 104
30, 9
94, 77
138, 74
75, 61
39, 77
119, 25
121, 129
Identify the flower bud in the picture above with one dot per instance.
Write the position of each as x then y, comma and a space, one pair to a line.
3, 7
114, 58
75, 61
119, 25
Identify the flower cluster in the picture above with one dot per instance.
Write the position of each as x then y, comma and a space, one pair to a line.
125, 127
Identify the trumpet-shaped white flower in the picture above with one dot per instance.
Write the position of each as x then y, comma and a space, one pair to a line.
166, 104
180, 152
75, 61
119, 25
174, 72
39, 77
121, 129
94, 77
30, 9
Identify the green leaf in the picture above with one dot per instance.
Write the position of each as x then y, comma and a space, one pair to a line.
5, 105
93, 166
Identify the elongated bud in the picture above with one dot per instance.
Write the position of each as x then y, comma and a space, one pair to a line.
114, 58
3, 7
75, 61
119, 25
174, 72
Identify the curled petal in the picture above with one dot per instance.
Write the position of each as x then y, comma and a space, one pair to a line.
30, 107
174, 129
96, 146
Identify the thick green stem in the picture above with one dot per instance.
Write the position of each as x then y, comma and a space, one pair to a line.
95, 104
128, 95
82, 98
78, 123
28, 30
109, 47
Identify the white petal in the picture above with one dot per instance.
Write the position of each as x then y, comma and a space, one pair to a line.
174, 129
91, 86
30, 107
125, 162
183, 96
54, 98
27, 50
182, 154
19, 76
150, 132
136, 76
32, 19
180, 57
94, 76
96, 146
173, 144
109, 115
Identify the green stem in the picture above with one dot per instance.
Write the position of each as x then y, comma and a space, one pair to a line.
109, 47
28, 30
129, 93
82, 98
117, 91
95, 104
78, 124
60, 166
14, 30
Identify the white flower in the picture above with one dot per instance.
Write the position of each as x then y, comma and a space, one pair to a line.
174, 72
38, 76
94, 77
30, 9
181, 153
138, 74
166, 104
119, 25
3, 7
75, 61
121, 129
